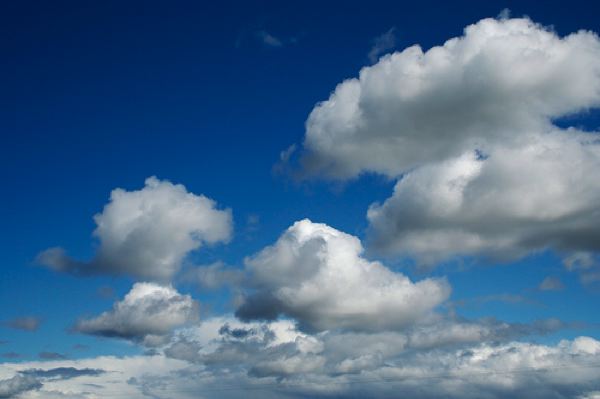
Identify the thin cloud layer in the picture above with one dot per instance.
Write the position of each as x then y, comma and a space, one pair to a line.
467, 129
147, 233
146, 315
316, 275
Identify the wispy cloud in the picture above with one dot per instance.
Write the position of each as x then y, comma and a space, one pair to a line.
268, 39
382, 44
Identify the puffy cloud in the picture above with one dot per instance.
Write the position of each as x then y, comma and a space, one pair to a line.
26, 323
467, 129
316, 275
511, 202
146, 315
147, 233
501, 82
13, 387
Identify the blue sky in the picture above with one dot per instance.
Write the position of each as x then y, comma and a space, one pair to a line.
100, 96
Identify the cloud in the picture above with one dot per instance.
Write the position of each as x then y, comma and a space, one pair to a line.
51, 355
146, 315
62, 373
502, 82
13, 387
228, 358
467, 130
147, 233
268, 39
26, 323
382, 44
506, 205
551, 283
316, 275
215, 275
449, 359
11, 355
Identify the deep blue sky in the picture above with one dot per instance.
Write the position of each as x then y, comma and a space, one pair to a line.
99, 95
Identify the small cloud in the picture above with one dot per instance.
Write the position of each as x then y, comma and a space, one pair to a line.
268, 39
504, 14
27, 323
11, 355
382, 44
551, 284
106, 292
51, 356
80, 347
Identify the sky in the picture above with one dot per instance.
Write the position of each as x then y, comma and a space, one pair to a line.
289, 200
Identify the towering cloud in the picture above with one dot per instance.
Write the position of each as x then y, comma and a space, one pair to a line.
148, 232
467, 129
316, 275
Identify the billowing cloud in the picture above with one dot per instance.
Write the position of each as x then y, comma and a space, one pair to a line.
515, 200
147, 233
146, 315
316, 275
467, 129
499, 83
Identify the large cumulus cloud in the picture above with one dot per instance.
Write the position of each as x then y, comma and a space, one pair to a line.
146, 315
147, 233
316, 275
467, 129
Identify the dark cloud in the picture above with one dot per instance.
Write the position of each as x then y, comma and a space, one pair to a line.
51, 356
15, 386
62, 373
26, 323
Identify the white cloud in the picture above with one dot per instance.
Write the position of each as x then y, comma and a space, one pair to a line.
499, 83
514, 201
467, 129
147, 233
316, 275
231, 359
147, 314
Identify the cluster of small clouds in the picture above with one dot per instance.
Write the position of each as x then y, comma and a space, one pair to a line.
467, 130
228, 358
